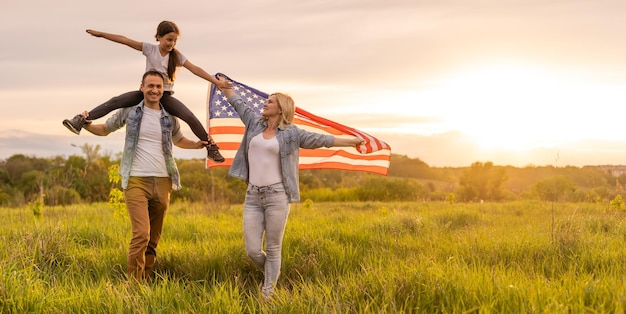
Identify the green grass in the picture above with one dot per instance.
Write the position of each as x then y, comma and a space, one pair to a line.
516, 257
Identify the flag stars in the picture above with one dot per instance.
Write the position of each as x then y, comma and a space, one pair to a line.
221, 109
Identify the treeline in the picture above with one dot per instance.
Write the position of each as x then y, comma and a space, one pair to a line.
75, 179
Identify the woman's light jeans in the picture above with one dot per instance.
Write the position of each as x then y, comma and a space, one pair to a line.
266, 210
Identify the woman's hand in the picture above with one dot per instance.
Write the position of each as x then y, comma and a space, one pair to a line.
358, 141
224, 85
228, 92
345, 142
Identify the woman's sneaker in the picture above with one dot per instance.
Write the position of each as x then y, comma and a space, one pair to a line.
75, 124
214, 154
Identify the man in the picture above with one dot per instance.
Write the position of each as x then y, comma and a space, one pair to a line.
148, 169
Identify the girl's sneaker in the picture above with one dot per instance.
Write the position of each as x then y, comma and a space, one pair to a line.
214, 154
75, 124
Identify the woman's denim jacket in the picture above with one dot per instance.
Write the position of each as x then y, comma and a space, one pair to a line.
170, 132
290, 140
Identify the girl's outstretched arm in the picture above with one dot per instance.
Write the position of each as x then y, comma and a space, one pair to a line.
137, 45
203, 74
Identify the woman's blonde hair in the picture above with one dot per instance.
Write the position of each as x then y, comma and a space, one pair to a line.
287, 107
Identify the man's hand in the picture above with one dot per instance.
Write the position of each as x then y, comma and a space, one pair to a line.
201, 144
85, 114
189, 144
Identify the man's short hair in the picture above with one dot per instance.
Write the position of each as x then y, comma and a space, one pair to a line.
152, 73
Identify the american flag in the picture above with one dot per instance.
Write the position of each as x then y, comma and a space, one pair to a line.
227, 131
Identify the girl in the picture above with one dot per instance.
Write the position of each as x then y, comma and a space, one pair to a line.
164, 58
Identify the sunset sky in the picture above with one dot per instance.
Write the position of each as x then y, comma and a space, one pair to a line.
528, 82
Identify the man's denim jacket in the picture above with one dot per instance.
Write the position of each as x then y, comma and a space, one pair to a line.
170, 132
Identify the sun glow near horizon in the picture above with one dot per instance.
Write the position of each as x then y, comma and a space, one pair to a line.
517, 107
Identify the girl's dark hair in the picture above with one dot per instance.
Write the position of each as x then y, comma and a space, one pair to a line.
163, 29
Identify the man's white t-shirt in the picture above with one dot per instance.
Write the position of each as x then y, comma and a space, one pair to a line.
149, 160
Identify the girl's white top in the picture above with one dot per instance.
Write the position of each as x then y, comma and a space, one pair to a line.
154, 61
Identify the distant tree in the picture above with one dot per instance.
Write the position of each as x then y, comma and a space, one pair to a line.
4, 176
5, 198
403, 166
236, 190
92, 152
200, 184
19, 164
332, 179
89, 174
598, 194
96, 182
384, 189
555, 188
588, 177
621, 179
30, 184
482, 181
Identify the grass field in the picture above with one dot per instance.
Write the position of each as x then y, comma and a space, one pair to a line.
516, 257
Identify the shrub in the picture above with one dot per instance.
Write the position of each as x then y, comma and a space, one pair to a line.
59, 195
617, 202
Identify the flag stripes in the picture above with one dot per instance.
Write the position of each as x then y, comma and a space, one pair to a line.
227, 131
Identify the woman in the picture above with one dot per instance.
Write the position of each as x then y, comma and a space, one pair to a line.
164, 58
267, 160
